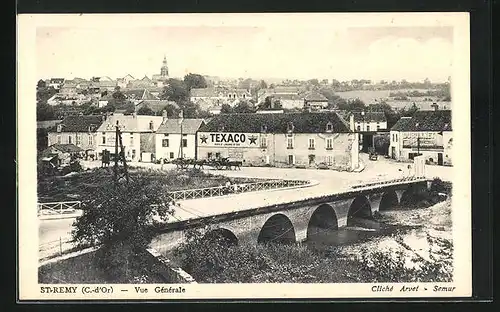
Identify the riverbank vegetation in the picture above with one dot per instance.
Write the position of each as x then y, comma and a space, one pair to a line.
275, 263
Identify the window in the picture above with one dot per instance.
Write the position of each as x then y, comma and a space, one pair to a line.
263, 142
58, 139
312, 143
359, 128
78, 139
91, 139
103, 139
209, 155
184, 142
70, 139
329, 144
131, 139
165, 143
171, 155
396, 136
378, 127
368, 128
217, 155
289, 143
151, 125
329, 160
329, 127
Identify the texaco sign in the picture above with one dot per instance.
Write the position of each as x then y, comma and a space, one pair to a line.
228, 139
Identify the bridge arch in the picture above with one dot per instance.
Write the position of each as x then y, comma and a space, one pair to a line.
389, 201
221, 236
359, 209
322, 221
277, 229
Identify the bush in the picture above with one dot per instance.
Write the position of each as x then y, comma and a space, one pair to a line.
216, 262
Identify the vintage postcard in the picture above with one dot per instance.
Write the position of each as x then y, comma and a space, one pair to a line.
244, 156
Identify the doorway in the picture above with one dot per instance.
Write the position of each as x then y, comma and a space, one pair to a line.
393, 153
290, 159
312, 158
440, 159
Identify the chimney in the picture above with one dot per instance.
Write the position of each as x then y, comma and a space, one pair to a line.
164, 115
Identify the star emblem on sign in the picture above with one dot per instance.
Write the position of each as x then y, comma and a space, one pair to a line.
253, 140
204, 139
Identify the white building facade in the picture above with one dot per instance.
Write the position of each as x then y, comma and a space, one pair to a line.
176, 138
137, 134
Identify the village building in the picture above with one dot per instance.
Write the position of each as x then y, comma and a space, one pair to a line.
370, 126
55, 83
216, 97
176, 138
427, 133
138, 95
281, 140
138, 135
163, 76
80, 131
289, 97
59, 155
157, 106
315, 101
42, 128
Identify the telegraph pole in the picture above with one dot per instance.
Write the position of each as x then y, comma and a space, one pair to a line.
120, 173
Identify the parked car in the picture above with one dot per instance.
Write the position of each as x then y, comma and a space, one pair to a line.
322, 165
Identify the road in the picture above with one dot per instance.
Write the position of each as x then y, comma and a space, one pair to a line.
327, 182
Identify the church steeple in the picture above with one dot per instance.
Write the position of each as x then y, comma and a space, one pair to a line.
164, 67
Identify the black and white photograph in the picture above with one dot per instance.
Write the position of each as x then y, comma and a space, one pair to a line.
181, 156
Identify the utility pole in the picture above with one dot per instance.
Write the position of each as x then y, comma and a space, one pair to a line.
181, 117
120, 173
418, 145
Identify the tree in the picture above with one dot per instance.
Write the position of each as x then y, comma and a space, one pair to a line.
41, 84
175, 90
145, 110
355, 105
226, 109
190, 109
45, 112
118, 95
262, 84
194, 81
172, 110
313, 82
408, 112
391, 115
243, 107
121, 219
43, 94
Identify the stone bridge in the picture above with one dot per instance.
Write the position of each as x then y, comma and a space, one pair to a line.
297, 221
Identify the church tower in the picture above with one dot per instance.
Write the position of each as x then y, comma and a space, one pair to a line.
164, 67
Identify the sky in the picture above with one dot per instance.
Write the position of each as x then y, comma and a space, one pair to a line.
276, 51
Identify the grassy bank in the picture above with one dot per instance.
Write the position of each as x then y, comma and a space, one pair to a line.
76, 186
88, 269
275, 263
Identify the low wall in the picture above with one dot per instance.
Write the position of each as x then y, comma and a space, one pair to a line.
163, 267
